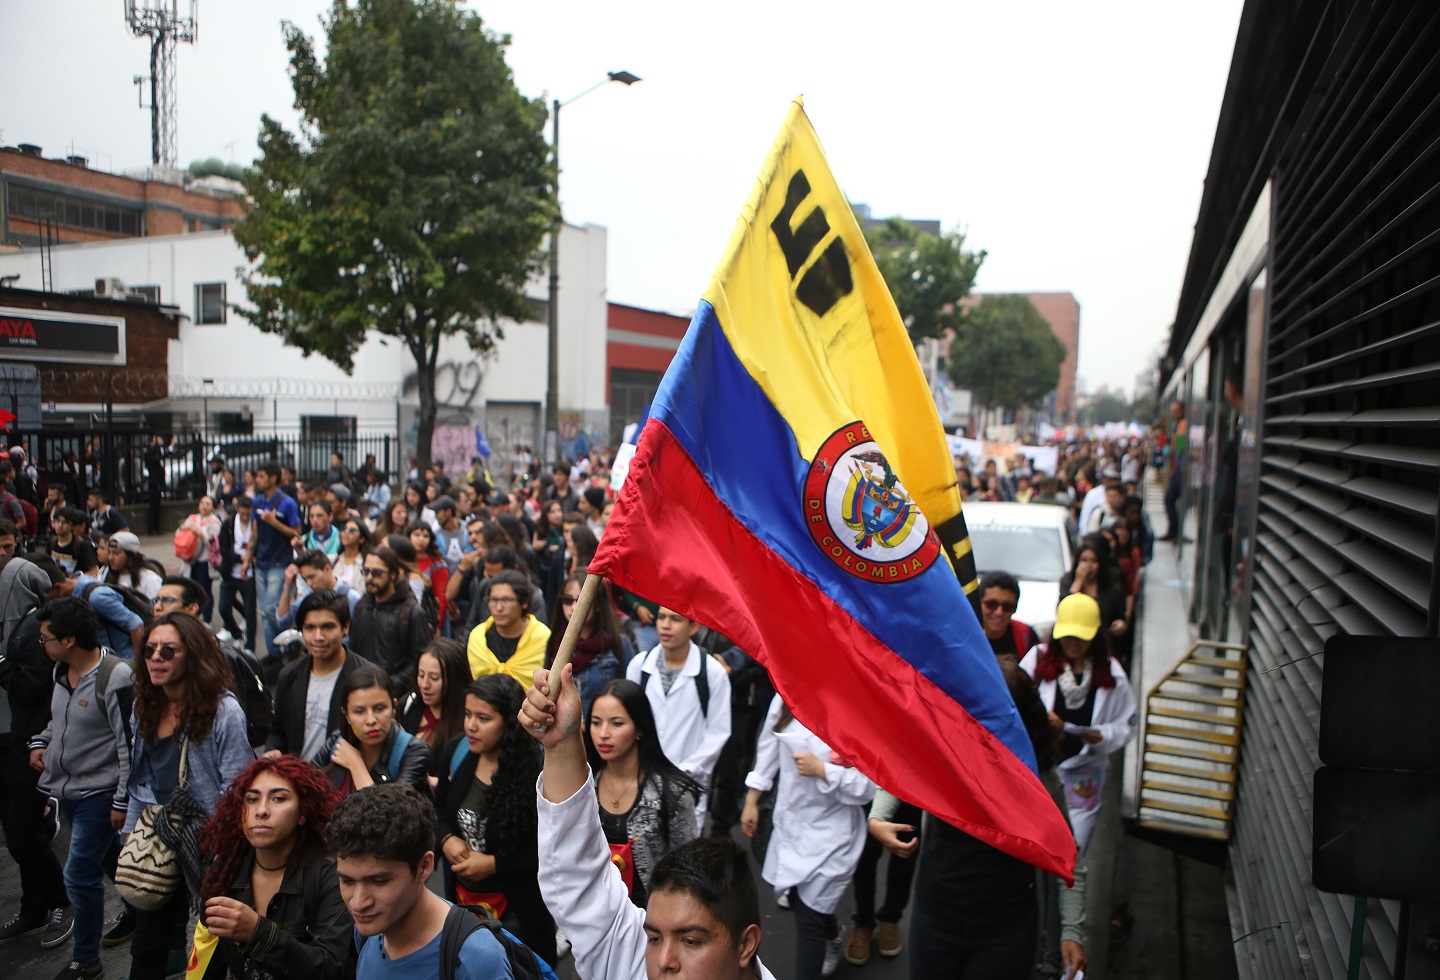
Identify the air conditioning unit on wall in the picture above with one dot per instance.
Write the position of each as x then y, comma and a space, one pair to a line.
110, 288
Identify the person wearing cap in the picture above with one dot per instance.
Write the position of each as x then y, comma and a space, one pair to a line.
1090, 702
450, 534
128, 567
1095, 497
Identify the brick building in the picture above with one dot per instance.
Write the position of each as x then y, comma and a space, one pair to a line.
89, 205
638, 347
89, 351
1062, 312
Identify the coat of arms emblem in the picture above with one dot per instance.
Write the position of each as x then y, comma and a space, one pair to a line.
859, 513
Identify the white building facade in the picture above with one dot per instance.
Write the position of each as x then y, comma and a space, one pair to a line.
223, 369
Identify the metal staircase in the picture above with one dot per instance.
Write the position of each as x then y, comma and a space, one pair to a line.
1191, 743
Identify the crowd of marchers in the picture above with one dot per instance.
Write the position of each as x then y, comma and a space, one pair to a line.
341, 720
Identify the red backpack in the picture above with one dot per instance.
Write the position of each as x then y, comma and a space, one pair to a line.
30, 517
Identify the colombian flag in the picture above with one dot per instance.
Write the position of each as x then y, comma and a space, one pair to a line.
793, 490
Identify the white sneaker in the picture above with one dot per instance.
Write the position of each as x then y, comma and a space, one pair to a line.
832, 954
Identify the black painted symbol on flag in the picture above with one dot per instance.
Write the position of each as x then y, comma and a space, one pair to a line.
828, 279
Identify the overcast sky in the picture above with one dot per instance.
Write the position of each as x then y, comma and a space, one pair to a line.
1070, 140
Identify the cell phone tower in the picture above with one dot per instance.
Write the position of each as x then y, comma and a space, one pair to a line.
160, 21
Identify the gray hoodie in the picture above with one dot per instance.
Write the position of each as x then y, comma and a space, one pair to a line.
87, 743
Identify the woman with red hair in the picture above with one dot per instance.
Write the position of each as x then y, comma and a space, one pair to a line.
1090, 702
270, 893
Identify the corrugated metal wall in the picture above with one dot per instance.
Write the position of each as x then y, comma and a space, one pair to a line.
1351, 450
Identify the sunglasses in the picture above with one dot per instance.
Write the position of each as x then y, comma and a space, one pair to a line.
568, 600
371, 572
994, 604
165, 652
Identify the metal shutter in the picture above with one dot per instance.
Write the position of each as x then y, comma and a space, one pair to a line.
1351, 450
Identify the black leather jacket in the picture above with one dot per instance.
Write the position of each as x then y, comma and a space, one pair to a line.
306, 932
413, 767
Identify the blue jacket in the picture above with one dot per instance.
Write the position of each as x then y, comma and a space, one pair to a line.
212, 762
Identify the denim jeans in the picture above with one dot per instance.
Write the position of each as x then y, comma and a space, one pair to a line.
94, 847
813, 932
599, 672
200, 573
269, 583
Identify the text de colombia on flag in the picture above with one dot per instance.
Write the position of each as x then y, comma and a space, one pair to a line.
793, 490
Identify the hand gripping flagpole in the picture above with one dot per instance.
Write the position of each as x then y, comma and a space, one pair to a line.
581, 613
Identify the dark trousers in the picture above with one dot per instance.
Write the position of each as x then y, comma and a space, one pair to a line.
154, 515
42, 887
239, 593
942, 946
200, 573
156, 933
898, 875
1172, 502
813, 932
736, 759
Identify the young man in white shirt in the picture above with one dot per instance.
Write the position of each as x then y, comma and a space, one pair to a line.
703, 918
692, 710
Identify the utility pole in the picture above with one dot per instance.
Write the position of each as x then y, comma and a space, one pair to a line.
160, 21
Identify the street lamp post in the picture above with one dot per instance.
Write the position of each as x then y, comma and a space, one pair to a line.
551, 449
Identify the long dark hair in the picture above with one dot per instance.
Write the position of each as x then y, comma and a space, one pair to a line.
1101, 548
1051, 660
433, 550
362, 679
207, 678
602, 616
1044, 737
454, 673
674, 782
585, 545
222, 840
510, 805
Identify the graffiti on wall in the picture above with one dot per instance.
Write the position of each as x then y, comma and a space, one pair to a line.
457, 383
454, 444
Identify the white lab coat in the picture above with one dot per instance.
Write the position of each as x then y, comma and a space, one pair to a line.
584, 893
819, 824
1084, 773
691, 740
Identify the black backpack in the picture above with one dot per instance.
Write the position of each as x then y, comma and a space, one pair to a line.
250, 690
702, 683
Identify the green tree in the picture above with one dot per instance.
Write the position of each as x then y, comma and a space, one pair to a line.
1004, 352
928, 275
414, 197
1106, 408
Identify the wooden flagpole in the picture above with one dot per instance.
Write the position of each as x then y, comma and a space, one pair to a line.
578, 616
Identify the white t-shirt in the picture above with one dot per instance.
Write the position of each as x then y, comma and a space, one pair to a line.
317, 712
242, 539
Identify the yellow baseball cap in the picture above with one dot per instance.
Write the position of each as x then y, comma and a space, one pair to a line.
1078, 615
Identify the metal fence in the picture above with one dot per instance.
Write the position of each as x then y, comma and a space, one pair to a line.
113, 456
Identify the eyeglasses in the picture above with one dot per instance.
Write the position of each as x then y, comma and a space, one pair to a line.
165, 652
503, 600
48, 639
165, 600
993, 604
568, 600
371, 572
